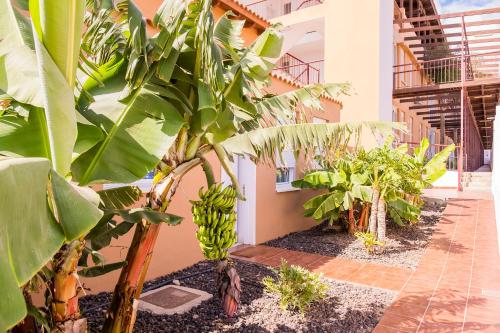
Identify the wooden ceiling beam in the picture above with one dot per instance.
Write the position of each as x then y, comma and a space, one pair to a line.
448, 43
453, 34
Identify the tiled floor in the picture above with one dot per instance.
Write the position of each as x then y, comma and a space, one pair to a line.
375, 275
455, 288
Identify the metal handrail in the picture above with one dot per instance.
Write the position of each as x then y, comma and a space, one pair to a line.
298, 70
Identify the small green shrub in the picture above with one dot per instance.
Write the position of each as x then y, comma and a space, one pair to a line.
369, 241
296, 286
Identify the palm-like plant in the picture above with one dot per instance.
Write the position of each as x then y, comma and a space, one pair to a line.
398, 176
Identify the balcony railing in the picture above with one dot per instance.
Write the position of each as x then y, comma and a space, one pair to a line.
269, 9
299, 71
446, 70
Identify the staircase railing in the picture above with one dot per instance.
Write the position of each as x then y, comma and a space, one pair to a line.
299, 71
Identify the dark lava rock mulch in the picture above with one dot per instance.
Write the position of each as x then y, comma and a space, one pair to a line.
404, 245
348, 307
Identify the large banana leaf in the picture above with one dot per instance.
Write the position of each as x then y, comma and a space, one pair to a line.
263, 143
436, 167
137, 135
58, 27
18, 65
29, 233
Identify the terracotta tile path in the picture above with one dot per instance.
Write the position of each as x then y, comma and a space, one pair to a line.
455, 288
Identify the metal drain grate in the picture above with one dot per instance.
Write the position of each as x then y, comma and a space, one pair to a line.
172, 299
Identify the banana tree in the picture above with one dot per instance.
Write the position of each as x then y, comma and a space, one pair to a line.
397, 175
38, 64
39, 59
347, 184
209, 89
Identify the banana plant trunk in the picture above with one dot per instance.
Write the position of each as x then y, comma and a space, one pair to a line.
373, 214
362, 224
351, 229
65, 289
381, 224
122, 312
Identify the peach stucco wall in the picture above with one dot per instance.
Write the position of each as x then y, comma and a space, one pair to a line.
281, 213
177, 247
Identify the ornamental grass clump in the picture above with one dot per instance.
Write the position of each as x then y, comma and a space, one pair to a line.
297, 287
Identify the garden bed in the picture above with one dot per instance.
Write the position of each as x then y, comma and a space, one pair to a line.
348, 307
404, 245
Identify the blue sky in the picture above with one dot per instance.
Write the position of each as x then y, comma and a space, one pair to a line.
461, 5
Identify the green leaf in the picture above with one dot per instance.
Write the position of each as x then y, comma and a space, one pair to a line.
59, 26
331, 203
58, 50
362, 192
29, 245
436, 167
359, 178
77, 207
101, 269
120, 197
137, 135
88, 136
228, 32
263, 143
137, 215
19, 76
421, 150
21, 138
325, 178
102, 237
268, 44
401, 209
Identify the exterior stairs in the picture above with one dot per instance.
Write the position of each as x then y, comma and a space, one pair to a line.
477, 181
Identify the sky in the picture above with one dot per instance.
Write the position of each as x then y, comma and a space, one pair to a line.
453, 6
446, 6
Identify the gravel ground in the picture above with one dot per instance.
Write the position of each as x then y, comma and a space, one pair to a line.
348, 307
404, 246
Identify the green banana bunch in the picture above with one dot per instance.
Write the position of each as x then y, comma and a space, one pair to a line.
215, 217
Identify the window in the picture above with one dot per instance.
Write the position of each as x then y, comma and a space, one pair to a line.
285, 171
421, 131
287, 8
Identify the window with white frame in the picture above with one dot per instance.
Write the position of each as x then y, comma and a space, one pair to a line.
286, 166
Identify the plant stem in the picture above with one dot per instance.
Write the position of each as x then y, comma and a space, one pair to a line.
381, 225
65, 285
373, 213
352, 222
209, 173
123, 309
